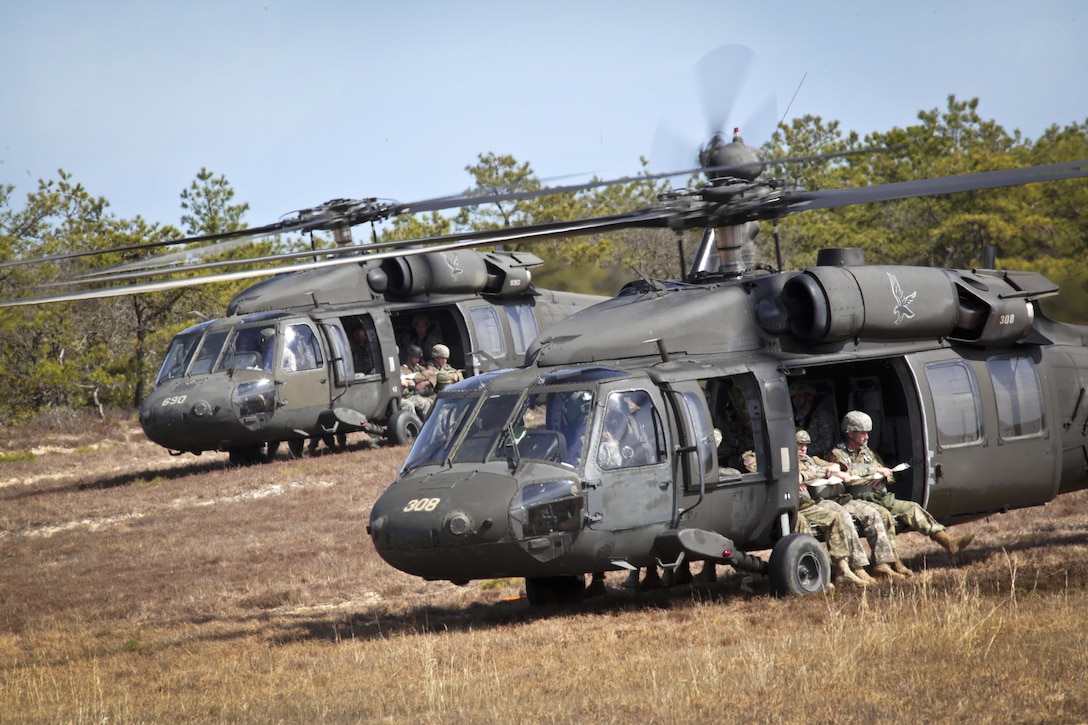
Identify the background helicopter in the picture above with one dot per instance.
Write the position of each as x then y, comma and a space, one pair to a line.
968, 382
314, 353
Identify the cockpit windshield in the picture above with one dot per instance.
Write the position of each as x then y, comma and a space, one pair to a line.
196, 353
543, 423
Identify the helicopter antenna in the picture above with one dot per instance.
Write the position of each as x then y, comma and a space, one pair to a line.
680, 253
652, 283
777, 245
784, 113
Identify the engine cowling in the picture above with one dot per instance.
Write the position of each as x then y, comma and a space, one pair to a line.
458, 272
831, 304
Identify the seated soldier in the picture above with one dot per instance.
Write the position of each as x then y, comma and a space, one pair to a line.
867, 478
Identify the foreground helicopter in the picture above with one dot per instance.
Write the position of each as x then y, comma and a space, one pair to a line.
600, 452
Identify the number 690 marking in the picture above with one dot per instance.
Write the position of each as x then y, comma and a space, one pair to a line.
422, 504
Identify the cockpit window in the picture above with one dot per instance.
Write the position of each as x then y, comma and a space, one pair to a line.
550, 426
631, 434
543, 425
486, 427
179, 356
249, 348
300, 349
440, 432
208, 352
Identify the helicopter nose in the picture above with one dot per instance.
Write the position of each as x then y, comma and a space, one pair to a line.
437, 526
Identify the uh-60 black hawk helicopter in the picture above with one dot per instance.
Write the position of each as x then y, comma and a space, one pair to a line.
600, 452
317, 354
314, 352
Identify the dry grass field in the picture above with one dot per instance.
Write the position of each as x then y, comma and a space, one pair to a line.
140, 587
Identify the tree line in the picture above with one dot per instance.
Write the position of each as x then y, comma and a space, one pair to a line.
105, 353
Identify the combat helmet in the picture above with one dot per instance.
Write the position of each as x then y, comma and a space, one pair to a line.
855, 421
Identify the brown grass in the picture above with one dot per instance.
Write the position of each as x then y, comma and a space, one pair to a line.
139, 587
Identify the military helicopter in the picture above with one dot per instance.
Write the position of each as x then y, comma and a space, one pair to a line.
314, 352
601, 451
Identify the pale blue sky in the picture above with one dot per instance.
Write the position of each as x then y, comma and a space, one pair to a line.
297, 103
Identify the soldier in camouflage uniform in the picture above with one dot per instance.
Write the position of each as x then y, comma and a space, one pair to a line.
843, 545
417, 390
867, 478
873, 522
442, 372
816, 419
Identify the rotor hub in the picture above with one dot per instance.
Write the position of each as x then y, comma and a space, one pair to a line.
733, 160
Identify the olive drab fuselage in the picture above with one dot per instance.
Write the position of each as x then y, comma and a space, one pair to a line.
316, 354
965, 380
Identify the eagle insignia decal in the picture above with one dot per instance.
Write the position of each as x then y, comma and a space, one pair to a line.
902, 310
454, 263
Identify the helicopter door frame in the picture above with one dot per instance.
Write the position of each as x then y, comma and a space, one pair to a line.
695, 467
628, 494
305, 391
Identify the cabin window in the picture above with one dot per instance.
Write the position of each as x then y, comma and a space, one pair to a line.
632, 433
955, 403
523, 326
365, 350
300, 349
488, 331
1019, 396
733, 402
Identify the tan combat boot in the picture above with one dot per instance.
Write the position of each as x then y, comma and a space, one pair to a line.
900, 567
952, 544
846, 574
885, 571
864, 576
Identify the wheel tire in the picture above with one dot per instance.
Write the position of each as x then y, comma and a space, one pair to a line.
341, 441
296, 446
269, 453
799, 565
246, 455
404, 426
561, 590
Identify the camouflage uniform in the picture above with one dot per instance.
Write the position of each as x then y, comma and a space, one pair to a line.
444, 374
861, 464
874, 522
735, 425
411, 374
842, 536
816, 420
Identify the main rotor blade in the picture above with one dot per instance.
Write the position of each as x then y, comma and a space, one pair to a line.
535, 232
266, 230
831, 198
721, 75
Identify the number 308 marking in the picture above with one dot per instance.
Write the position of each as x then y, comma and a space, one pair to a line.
422, 504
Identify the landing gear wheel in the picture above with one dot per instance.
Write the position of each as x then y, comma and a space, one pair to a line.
799, 565
296, 446
560, 590
249, 455
404, 426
